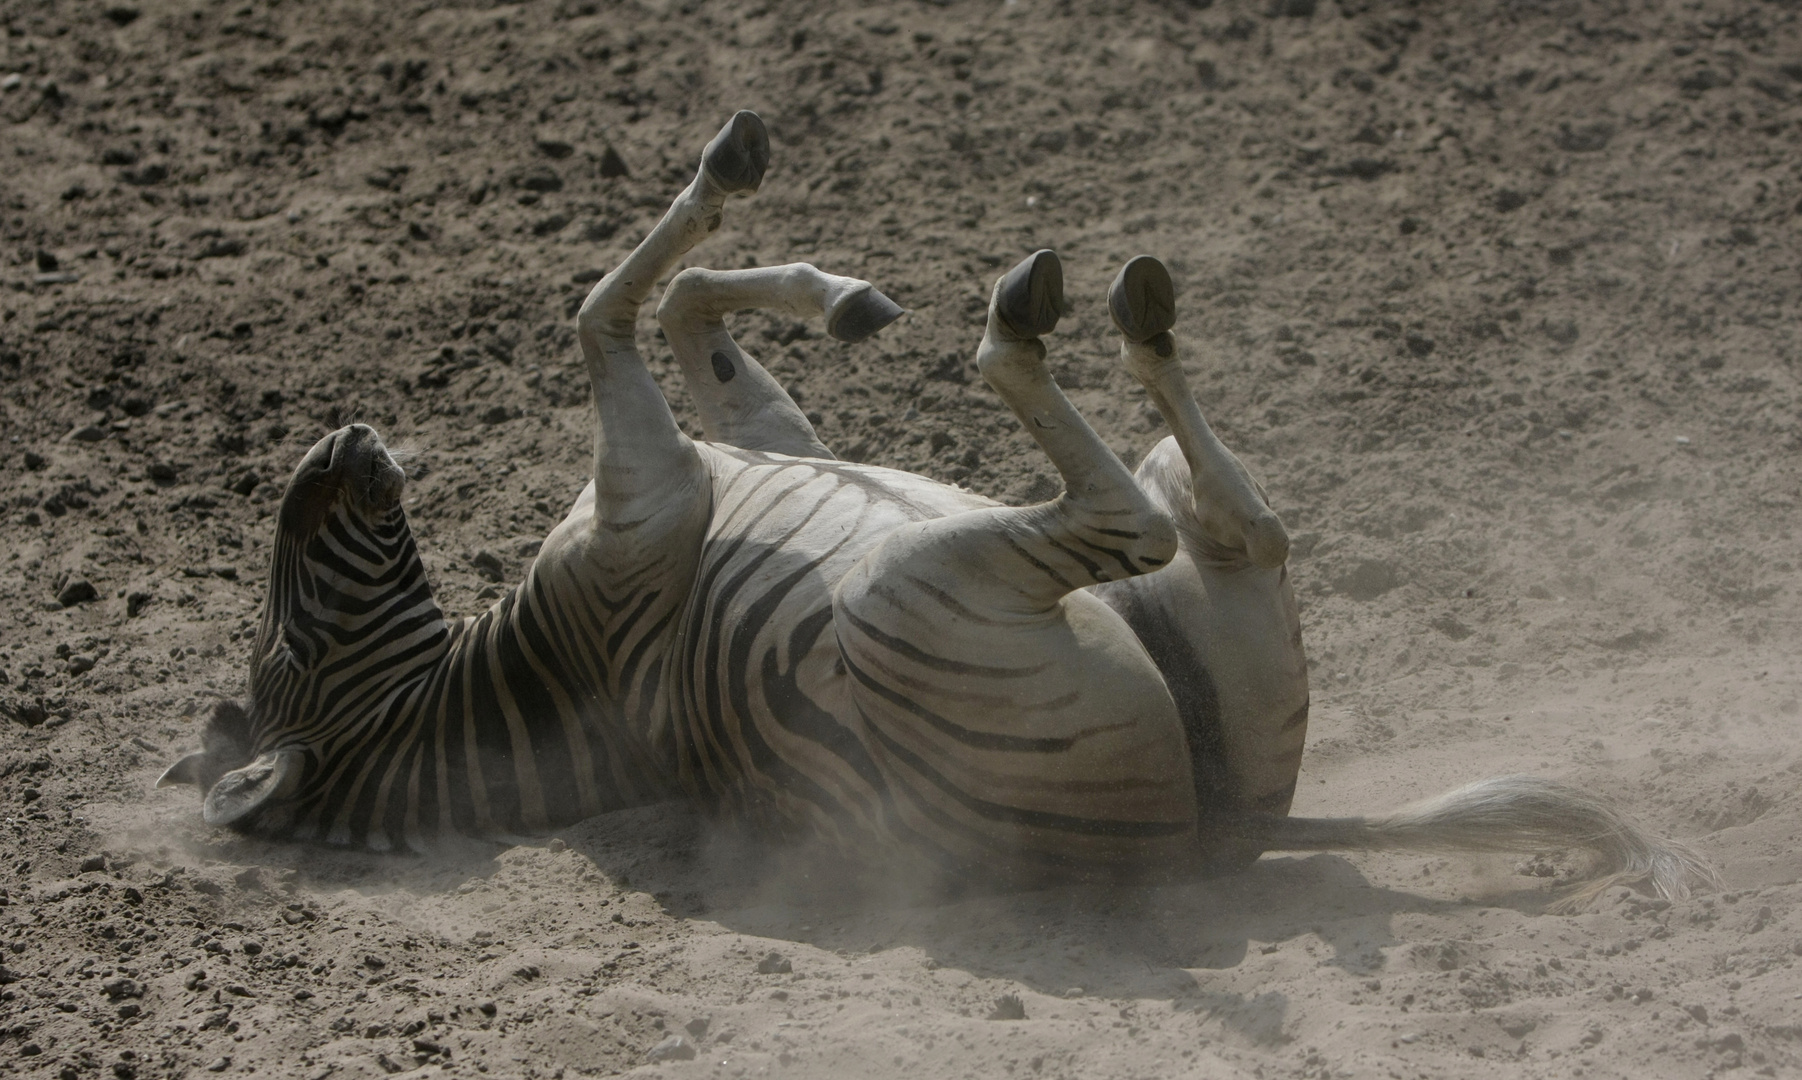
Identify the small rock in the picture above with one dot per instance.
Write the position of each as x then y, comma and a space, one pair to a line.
496, 414
612, 165
80, 663
46, 261
93, 863
674, 1048
220, 1065
76, 590
252, 946
488, 565
554, 148
118, 988
1699, 1013
129, 1010
1508, 200
12, 82
538, 178
775, 964
1009, 1007
698, 1026
88, 433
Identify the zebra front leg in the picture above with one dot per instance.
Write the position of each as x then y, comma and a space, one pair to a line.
641, 456
1221, 620
740, 403
1021, 727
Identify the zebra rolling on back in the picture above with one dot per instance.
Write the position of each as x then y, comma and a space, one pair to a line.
1109, 684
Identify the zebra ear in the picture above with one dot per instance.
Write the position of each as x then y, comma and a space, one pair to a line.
242, 791
185, 771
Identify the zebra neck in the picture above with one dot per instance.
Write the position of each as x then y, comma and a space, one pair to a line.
513, 734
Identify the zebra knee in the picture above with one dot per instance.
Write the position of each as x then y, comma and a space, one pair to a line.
683, 301
1114, 542
609, 314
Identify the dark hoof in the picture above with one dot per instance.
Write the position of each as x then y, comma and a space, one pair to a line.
1142, 300
859, 317
1031, 295
738, 155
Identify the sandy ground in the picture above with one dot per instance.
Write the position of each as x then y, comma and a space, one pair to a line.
1500, 299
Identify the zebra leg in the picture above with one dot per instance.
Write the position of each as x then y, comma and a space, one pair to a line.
740, 403
1020, 724
641, 455
1221, 620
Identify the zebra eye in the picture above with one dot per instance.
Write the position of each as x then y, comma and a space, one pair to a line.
298, 648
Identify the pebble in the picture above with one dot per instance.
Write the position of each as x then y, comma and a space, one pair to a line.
76, 590
674, 1048
79, 663
554, 147
88, 433
93, 863
775, 964
12, 82
122, 988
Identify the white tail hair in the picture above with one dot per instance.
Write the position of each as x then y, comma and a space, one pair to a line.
1504, 814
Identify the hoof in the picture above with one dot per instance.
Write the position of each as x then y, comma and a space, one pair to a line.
1030, 297
1141, 300
861, 315
738, 155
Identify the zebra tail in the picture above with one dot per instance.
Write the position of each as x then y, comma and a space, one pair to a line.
1504, 814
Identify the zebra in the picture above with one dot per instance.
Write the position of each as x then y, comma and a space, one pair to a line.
1107, 685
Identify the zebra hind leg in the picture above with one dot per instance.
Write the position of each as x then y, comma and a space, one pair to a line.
741, 404
1021, 727
1221, 620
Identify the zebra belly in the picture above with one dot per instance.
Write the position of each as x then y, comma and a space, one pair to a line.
755, 686
791, 707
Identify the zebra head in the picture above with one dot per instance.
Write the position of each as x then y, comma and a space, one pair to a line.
349, 616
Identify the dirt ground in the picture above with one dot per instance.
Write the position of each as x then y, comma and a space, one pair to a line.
1499, 298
